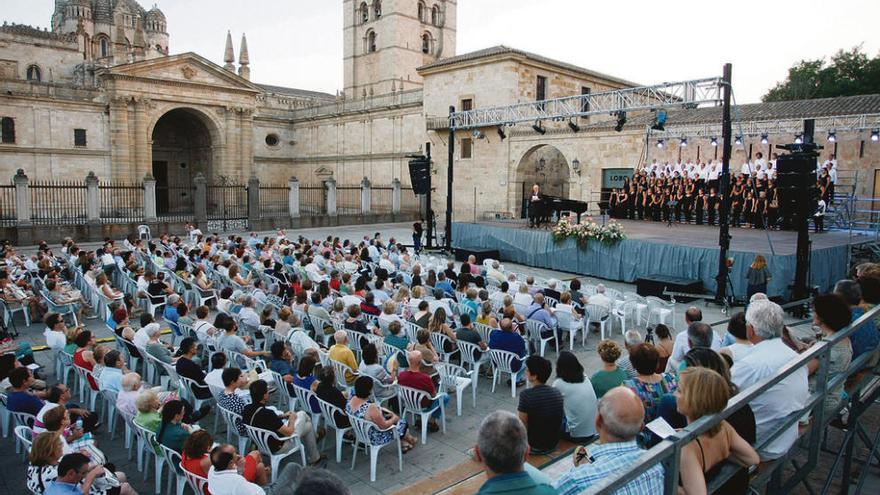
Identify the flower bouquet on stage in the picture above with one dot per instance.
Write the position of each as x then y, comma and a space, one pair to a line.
588, 230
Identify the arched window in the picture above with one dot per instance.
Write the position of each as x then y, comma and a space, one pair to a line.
421, 11
7, 125
377, 8
104, 47
435, 15
371, 41
426, 43
364, 13
34, 74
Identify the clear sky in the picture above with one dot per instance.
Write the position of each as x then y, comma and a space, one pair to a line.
298, 43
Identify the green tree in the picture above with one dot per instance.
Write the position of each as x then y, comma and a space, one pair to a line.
850, 72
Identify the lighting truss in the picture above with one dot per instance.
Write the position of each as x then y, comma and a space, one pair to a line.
841, 123
690, 94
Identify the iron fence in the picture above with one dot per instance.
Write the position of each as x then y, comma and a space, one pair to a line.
175, 203
58, 202
121, 203
348, 200
312, 200
7, 205
274, 201
381, 199
227, 207
409, 201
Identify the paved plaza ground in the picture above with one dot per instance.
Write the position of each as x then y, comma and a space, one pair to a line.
441, 451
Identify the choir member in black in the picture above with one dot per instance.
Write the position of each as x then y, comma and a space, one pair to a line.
623, 203
614, 204
656, 205
699, 206
665, 208
688, 205
712, 203
679, 199
772, 205
748, 209
631, 203
736, 202
760, 209
640, 203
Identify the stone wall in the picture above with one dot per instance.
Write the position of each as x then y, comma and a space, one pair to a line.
56, 58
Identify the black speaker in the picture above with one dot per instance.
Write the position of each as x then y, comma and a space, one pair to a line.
795, 171
420, 175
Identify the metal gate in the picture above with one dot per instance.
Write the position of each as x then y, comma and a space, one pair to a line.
227, 207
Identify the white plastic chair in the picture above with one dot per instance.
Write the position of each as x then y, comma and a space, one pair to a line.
593, 313
173, 459
109, 397
484, 330
231, 429
5, 415
24, 438
154, 303
502, 362
86, 393
439, 341
565, 321
196, 483
328, 411
303, 397
146, 440
188, 387
340, 369
9, 312
63, 366
261, 438
144, 232
410, 401
534, 329
659, 311
453, 376
361, 428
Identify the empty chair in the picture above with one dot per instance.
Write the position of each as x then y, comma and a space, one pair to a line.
24, 436
455, 377
660, 311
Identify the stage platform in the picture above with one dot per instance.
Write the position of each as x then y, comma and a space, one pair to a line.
687, 251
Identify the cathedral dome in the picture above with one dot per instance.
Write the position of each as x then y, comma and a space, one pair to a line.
155, 14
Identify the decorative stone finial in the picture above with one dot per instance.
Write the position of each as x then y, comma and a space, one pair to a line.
229, 54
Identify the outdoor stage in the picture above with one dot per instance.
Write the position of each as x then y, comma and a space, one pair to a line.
652, 248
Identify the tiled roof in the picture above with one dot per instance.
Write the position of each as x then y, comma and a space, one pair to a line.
300, 93
506, 50
25, 30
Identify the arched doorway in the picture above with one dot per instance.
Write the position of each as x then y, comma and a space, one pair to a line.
546, 166
182, 147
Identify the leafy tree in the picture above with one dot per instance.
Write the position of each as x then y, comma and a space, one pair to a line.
850, 73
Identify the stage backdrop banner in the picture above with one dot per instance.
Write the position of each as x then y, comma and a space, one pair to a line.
630, 259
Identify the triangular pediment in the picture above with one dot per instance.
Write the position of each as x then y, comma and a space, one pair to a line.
185, 67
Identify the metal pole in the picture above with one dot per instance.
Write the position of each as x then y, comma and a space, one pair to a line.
428, 214
449, 174
724, 183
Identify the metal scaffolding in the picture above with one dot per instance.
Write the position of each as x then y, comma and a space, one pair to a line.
841, 123
689, 94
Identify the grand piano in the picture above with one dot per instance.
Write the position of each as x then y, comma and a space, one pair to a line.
544, 209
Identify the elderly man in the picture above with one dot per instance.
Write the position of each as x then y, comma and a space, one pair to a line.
248, 313
619, 421
764, 326
510, 341
232, 342
224, 478
170, 313
341, 353
631, 339
413, 377
600, 299
495, 272
502, 447
126, 400
550, 290
696, 337
538, 311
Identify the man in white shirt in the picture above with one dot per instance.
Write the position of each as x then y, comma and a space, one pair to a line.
142, 336
760, 162
599, 298
248, 314
682, 343
764, 326
386, 264
54, 332
223, 477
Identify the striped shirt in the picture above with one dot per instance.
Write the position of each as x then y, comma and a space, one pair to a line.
611, 459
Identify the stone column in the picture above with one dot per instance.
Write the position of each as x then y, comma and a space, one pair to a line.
293, 197
22, 199
120, 144
150, 214
331, 196
366, 196
201, 201
253, 198
246, 148
395, 196
93, 200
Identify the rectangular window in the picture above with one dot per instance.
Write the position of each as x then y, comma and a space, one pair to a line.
79, 137
541, 91
8, 130
585, 104
467, 148
467, 105
862, 149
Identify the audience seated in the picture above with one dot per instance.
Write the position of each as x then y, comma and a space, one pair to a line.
579, 398
360, 406
224, 477
611, 375
340, 353
541, 407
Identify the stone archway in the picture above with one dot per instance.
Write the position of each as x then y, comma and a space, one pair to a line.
183, 145
546, 166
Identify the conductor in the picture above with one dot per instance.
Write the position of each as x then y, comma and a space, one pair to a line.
534, 207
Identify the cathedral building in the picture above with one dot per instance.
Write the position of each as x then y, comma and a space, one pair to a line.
103, 90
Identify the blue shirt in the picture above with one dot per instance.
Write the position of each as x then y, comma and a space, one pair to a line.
24, 402
111, 379
58, 488
521, 483
536, 312
866, 338
445, 285
508, 341
170, 314
610, 459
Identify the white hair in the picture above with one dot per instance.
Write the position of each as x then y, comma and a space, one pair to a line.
632, 337
600, 289
766, 318
758, 296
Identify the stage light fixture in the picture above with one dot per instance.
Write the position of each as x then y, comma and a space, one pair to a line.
573, 126
738, 141
764, 138
683, 143
714, 141
798, 139
832, 136
621, 121
875, 135
660, 143
539, 128
659, 121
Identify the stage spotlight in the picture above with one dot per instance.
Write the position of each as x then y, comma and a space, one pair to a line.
714, 141
659, 121
501, 133
659, 143
574, 127
764, 138
621, 121
539, 128
875, 135
832, 136
738, 141
684, 143
798, 139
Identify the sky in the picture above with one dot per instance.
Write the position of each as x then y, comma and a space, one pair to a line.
298, 43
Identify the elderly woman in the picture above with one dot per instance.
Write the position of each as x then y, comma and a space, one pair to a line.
360, 406
46, 453
389, 314
649, 385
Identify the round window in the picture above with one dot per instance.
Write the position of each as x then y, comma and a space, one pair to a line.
272, 140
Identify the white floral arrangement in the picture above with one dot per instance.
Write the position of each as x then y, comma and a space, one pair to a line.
587, 231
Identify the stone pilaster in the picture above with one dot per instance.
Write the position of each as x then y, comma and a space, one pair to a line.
93, 200
395, 196
253, 199
366, 196
201, 200
331, 196
150, 198
22, 198
293, 197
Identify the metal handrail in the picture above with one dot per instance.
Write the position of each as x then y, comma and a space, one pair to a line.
668, 451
